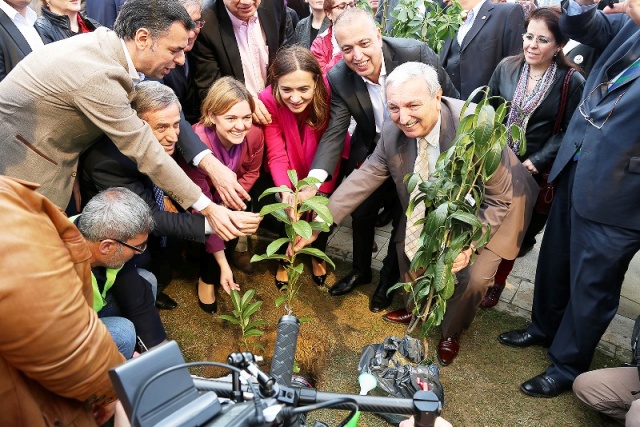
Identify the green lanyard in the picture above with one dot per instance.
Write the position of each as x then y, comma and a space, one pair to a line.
99, 300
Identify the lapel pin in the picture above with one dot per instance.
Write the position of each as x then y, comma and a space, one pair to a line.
484, 16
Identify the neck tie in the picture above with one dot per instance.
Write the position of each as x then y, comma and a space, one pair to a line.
626, 75
158, 194
421, 167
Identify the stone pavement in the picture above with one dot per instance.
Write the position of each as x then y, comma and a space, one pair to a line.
517, 297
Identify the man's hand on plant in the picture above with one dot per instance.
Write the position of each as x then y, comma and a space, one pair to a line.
229, 224
461, 261
301, 242
246, 222
225, 181
307, 193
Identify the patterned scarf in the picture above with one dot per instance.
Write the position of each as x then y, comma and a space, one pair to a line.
524, 104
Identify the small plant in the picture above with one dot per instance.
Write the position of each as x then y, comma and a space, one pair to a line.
294, 227
243, 309
432, 26
453, 196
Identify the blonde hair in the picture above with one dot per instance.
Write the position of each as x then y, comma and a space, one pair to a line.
224, 94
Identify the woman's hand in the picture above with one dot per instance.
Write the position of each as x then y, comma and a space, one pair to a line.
530, 167
226, 280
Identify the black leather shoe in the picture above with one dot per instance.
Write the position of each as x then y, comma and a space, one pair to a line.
165, 302
349, 282
380, 300
543, 386
521, 338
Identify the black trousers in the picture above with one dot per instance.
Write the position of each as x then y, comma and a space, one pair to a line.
580, 270
364, 224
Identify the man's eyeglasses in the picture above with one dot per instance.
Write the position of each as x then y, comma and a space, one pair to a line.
602, 87
343, 6
139, 249
531, 38
200, 23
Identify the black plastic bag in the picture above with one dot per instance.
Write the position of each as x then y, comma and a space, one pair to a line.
396, 365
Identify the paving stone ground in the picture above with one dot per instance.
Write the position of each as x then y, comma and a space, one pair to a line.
517, 297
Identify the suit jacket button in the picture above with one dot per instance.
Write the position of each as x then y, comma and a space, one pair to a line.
73, 174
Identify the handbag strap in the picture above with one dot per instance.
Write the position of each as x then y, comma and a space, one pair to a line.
563, 100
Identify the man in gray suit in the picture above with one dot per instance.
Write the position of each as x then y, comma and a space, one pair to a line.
18, 37
420, 114
357, 90
60, 99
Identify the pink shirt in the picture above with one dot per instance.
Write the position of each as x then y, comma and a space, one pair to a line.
254, 52
326, 50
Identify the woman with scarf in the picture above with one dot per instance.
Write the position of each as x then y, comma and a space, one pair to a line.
225, 128
533, 83
298, 100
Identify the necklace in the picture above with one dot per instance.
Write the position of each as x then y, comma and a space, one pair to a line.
535, 78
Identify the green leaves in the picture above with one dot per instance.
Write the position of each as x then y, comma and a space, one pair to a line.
452, 199
432, 26
295, 228
243, 309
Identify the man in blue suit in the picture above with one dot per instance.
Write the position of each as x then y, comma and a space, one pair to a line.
594, 224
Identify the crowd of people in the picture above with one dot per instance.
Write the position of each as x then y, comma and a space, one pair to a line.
151, 123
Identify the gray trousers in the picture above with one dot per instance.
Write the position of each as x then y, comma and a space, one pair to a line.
609, 391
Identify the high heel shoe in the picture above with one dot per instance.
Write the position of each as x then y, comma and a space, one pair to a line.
319, 280
207, 308
280, 272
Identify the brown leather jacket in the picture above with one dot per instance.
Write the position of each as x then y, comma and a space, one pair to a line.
54, 351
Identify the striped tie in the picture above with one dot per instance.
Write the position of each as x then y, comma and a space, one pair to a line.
158, 194
421, 167
626, 75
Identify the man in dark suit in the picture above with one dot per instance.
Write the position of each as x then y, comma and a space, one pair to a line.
17, 35
104, 166
491, 32
421, 117
594, 227
180, 79
217, 53
357, 90
104, 11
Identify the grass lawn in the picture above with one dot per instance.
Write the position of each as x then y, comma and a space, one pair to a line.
481, 385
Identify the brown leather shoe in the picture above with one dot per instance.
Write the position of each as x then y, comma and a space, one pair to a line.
493, 296
401, 316
448, 349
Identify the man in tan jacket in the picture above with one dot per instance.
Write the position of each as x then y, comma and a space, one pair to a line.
54, 351
59, 100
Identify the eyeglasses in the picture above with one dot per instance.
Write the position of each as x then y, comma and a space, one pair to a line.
603, 88
200, 23
139, 249
343, 6
531, 38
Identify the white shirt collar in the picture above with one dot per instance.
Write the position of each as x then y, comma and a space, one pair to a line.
133, 73
12, 13
433, 137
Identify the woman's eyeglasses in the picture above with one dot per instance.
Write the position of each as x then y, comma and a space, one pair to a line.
531, 38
